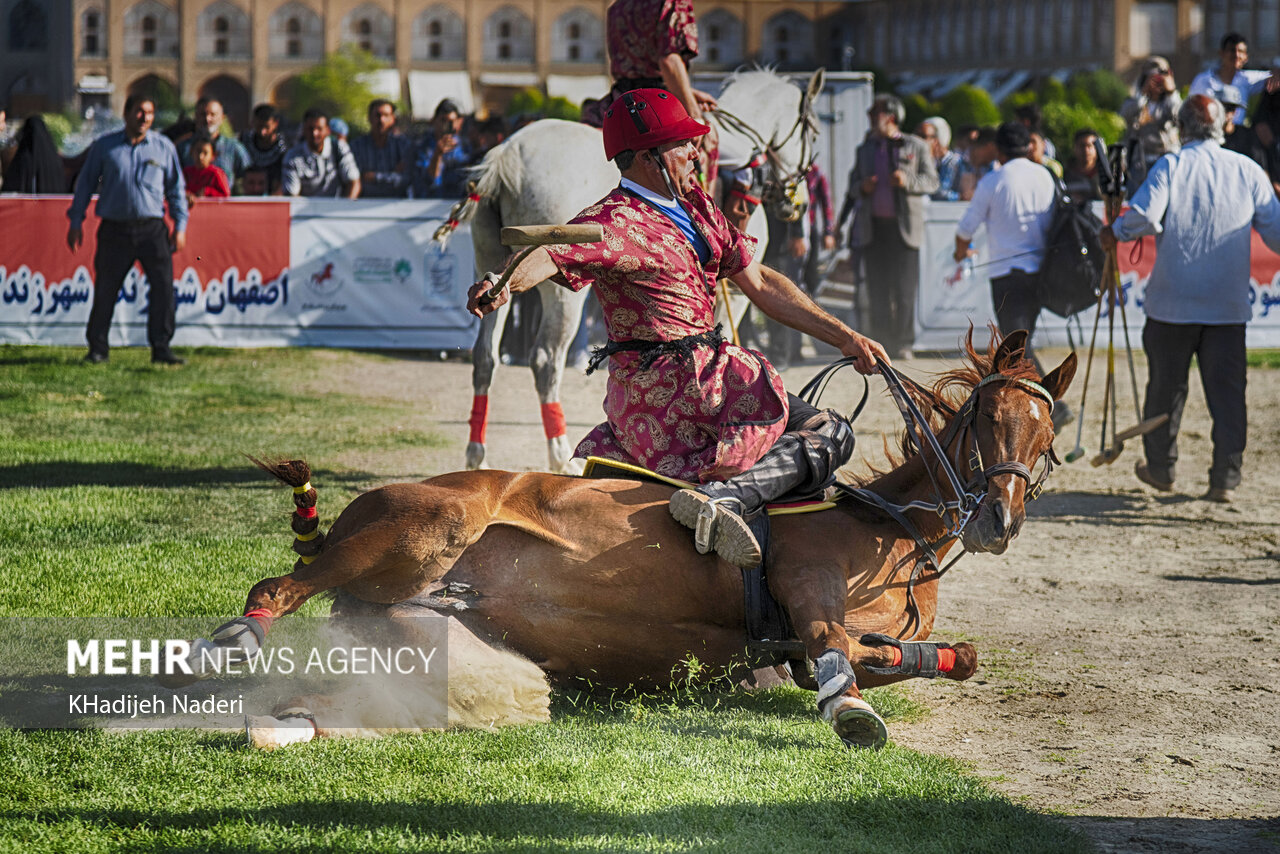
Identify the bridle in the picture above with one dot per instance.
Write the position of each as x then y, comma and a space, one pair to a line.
781, 185
968, 494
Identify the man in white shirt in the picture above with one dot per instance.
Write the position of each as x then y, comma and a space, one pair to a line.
319, 165
1233, 55
1015, 202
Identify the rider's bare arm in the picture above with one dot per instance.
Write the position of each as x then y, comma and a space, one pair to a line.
675, 78
778, 297
532, 270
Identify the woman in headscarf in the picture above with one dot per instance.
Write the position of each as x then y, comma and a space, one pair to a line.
36, 166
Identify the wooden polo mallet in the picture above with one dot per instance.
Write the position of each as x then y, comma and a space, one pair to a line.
533, 236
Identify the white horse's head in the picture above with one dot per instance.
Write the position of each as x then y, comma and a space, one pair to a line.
763, 111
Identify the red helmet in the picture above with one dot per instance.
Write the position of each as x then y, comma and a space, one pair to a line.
646, 118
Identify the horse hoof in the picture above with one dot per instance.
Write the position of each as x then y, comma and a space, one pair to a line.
268, 733
858, 725
475, 456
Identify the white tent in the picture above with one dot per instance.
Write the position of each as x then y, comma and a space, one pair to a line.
429, 88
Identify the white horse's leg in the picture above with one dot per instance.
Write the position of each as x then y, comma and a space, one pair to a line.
490, 256
561, 315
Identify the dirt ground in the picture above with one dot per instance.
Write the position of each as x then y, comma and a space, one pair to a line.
1128, 640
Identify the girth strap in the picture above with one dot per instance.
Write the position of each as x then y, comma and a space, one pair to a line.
770, 637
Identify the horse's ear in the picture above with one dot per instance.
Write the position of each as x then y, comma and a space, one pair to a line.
1060, 378
1011, 348
815, 83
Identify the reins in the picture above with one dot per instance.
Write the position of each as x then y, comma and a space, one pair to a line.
968, 495
789, 181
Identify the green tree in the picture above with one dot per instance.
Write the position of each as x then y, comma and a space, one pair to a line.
919, 108
1102, 89
532, 102
334, 85
59, 125
1062, 120
967, 104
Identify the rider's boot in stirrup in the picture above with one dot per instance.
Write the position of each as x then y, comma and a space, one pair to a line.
718, 512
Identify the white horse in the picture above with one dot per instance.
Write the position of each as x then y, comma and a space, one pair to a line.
552, 169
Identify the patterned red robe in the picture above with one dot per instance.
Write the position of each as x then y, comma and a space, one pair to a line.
640, 32
703, 419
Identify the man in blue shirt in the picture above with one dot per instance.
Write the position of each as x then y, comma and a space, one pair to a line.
138, 171
385, 156
1200, 203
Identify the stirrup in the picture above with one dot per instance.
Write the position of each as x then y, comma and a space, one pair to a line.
716, 528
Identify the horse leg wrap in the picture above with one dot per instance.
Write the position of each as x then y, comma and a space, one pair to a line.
834, 675
918, 658
244, 634
479, 417
553, 423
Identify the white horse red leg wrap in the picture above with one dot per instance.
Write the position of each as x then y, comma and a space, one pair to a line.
479, 419
553, 424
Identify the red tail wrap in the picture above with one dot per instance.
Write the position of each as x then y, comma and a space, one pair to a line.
479, 417
552, 420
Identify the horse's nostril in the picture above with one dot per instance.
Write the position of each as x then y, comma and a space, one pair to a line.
997, 521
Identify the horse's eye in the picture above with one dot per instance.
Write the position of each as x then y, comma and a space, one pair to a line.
993, 415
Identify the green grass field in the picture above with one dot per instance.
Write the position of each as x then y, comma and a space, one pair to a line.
123, 492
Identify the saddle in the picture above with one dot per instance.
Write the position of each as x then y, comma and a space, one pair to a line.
770, 638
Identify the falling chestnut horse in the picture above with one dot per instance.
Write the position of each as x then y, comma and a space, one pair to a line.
592, 579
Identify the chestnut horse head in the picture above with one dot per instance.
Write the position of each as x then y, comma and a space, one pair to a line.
996, 442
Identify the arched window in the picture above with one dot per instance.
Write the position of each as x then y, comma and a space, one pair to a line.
295, 31
92, 40
788, 40
439, 35
721, 42
150, 29
577, 36
508, 36
370, 28
222, 30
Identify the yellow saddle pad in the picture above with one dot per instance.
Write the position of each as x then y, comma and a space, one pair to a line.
600, 467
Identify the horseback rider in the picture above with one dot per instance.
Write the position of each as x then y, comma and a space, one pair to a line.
681, 400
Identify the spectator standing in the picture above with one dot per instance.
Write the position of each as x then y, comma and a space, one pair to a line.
893, 172
203, 178
319, 165
1237, 138
443, 156
384, 156
1200, 203
1040, 154
134, 171
265, 146
1032, 118
1151, 115
256, 181
983, 157
937, 133
1081, 175
1016, 205
36, 166
1233, 55
229, 155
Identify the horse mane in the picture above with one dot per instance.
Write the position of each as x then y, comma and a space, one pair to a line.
950, 390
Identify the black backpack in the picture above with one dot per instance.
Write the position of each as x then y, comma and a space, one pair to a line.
1071, 273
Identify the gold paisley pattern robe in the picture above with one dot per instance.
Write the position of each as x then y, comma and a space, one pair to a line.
700, 419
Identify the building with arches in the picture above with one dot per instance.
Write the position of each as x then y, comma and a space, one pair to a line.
74, 52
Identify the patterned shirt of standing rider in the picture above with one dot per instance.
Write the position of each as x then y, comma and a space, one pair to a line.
704, 417
641, 32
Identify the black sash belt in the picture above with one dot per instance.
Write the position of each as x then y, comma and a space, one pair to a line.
650, 351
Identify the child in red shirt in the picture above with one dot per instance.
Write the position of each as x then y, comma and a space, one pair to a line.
205, 179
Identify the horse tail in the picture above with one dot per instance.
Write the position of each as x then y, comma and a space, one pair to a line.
502, 167
308, 538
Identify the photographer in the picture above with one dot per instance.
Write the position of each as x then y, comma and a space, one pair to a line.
1200, 203
443, 156
1150, 114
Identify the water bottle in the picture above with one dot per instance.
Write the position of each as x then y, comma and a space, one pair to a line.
966, 268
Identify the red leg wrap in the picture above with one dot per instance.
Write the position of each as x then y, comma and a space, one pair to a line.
946, 660
553, 420
479, 417
263, 616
